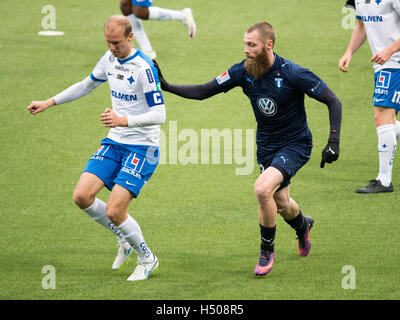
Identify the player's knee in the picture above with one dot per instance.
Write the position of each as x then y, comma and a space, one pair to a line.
81, 199
282, 206
113, 213
378, 119
263, 192
125, 7
140, 12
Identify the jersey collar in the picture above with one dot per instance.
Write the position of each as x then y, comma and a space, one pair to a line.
275, 65
134, 52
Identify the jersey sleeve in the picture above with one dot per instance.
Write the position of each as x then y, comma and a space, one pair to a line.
99, 73
151, 86
228, 79
307, 82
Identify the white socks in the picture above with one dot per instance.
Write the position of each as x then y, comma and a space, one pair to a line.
129, 230
156, 13
386, 148
97, 211
133, 234
139, 34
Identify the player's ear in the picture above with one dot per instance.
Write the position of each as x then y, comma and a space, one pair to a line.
269, 44
130, 36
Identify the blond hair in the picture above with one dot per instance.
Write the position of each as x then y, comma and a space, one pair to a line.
118, 21
265, 30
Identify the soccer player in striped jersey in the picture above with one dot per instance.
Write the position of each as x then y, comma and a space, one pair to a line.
379, 22
128, 156
137, 10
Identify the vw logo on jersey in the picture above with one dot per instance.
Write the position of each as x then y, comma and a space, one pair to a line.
267, 106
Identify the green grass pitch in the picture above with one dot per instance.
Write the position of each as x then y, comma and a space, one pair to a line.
200, 219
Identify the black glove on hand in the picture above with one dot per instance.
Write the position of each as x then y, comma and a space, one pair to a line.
164, 83
350, 3
330, 153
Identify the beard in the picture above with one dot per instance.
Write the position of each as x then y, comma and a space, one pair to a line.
257, 66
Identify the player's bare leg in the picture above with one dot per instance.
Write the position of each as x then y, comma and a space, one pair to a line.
85, 198
137, 28
156, 13
289, 210
264, 188
86, 190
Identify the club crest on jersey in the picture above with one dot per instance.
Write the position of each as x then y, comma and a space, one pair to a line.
278, 82
383, 80
223, 77
267, 106
131, 80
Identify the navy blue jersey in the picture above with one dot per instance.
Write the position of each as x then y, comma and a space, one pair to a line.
277, 100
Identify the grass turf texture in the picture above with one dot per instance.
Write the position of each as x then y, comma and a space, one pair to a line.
200, 220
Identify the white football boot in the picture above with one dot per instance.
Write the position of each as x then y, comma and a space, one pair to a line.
143, 270
189, 22
124, 251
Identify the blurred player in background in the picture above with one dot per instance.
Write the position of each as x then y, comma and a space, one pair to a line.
276, 88
128, 156
379, 22
137, 10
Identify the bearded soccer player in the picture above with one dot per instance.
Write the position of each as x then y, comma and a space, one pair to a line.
276, 88
128, 156
379, 22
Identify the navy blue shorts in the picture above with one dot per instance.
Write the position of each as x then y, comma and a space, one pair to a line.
129, 166
288, 160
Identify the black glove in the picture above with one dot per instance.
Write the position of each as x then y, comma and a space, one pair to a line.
330, 153
164, 84
350, 3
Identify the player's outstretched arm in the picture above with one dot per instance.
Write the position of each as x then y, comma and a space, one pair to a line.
74, 92
196, 92
331, 150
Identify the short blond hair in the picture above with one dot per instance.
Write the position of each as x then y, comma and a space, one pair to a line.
120, 21
265, 30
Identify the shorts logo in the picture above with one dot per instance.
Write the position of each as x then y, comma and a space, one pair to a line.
383, 80
267, 106
223, 77
135, 162
396, 97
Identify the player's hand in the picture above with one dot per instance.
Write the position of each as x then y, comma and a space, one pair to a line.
39, 106
382, 56
110, 119
344, 62
164, 83
330, 153
350, 3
